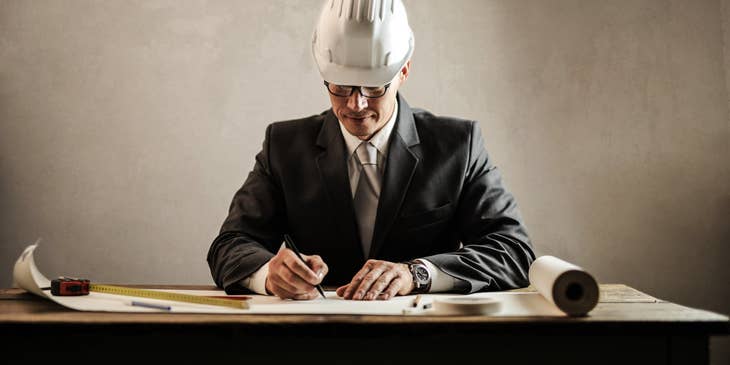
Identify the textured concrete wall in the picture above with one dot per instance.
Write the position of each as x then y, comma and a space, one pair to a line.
126, 127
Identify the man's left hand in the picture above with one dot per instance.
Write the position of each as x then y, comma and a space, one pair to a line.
379, 280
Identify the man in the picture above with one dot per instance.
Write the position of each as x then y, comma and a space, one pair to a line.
388, 200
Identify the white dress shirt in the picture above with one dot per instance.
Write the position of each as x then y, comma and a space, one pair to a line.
440, 281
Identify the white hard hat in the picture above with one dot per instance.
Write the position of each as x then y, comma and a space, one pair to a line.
362, 42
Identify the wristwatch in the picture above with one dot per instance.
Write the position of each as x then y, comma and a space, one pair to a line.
421, 277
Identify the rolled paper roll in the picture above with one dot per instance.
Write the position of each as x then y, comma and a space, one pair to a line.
572, 289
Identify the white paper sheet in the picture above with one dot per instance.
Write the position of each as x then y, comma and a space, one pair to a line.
28, 277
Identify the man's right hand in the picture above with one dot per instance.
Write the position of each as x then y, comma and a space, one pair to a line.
291, 278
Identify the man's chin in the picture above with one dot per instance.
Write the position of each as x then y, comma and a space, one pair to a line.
359, 127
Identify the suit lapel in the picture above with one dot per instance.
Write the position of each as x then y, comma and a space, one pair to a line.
332, 165
399, 169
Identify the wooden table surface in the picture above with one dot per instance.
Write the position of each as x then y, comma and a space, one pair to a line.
618, 305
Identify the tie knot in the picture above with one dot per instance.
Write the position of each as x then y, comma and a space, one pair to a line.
367, 154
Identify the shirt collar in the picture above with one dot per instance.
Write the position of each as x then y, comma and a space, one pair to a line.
379, 139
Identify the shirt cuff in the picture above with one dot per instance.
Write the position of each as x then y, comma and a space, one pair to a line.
440, 281
256, 282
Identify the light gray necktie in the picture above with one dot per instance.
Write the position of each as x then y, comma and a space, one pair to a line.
367, 193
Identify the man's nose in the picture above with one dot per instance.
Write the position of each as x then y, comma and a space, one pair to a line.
356, 101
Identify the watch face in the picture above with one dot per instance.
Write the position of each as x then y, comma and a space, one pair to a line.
421, 274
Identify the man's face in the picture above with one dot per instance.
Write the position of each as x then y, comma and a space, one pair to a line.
362, 116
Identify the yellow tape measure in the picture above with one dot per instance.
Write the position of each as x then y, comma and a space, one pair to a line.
177, 297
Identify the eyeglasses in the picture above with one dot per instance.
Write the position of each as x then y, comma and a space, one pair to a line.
347, 90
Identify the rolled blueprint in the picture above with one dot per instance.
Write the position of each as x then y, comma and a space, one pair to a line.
569, 287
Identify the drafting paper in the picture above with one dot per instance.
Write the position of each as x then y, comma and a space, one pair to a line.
28, 277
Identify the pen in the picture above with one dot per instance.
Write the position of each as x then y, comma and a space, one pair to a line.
291, 246
150, 305
416, 301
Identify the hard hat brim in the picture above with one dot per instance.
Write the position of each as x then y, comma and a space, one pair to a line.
361, 76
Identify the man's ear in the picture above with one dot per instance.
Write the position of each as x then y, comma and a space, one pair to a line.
404, 71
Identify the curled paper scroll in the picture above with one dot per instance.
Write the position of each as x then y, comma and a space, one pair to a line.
572, 289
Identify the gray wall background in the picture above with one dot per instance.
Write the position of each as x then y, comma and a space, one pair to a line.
126, 127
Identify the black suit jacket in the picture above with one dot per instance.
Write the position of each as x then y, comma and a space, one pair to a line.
442, 199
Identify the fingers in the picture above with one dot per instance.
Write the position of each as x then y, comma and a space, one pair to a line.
308, 296
377, 279
359, 276
300, 268
288, 281
380, 284
385, 295
290, 278
341, 290
318, 266
285, 294
402, 285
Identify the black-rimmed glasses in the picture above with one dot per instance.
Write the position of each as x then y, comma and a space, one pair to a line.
347, 90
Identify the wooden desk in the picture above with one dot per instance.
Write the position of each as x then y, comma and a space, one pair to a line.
626, 327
